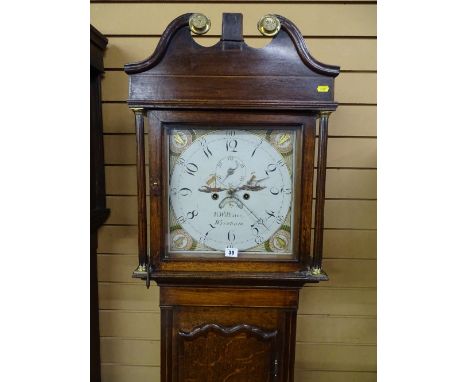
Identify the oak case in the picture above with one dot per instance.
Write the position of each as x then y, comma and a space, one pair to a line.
224, 318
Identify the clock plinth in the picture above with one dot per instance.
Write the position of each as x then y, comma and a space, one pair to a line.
232, 141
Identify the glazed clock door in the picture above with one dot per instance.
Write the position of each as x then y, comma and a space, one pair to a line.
231, 188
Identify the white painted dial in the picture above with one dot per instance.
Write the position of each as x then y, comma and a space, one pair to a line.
231, 188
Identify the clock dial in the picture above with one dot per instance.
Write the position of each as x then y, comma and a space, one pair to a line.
231, 188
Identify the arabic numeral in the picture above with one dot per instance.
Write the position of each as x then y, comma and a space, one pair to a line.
231, 236
185, 191
270, 168
274, 191
271, 214
203, 237
191, 168
256, 147
231, 145
192, 214
255, 230
206, 149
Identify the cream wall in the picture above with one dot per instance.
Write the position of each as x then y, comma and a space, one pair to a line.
336, 332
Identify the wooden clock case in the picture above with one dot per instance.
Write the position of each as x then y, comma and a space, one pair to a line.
230, 319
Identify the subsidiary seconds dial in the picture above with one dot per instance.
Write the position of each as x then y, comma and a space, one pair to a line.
230, 188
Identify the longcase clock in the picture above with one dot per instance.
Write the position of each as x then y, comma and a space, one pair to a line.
232, 136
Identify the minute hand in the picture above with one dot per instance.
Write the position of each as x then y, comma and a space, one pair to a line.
251, 212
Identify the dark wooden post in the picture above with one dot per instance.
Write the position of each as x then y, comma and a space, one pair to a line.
99, 210
141, 188
320, 193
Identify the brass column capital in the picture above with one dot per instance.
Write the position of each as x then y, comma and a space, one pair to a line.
324, 113
138, 110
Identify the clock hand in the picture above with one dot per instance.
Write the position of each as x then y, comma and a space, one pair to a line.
230, 172
231, 197
240, 205
260, 221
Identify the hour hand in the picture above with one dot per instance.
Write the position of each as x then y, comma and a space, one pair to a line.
230, 172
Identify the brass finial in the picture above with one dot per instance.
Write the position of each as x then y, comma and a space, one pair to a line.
269, 25
199, 23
